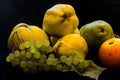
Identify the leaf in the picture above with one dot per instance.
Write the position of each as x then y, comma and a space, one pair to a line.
92, 71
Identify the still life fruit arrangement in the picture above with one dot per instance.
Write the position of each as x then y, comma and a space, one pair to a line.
59, 45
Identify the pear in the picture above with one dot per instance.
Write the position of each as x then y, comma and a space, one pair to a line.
96, 32
60, 20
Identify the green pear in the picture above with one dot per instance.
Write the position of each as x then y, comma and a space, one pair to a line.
96, 32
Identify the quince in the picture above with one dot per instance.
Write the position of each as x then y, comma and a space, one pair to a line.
54, 39
23, 32
60, 20
71, 43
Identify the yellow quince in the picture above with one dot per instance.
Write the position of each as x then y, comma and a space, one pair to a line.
60, 20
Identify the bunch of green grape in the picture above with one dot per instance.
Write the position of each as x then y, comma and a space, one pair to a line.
39, 56
30, 56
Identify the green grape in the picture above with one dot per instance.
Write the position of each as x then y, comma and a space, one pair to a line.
85, 63
81, 65
46, 67
23, 64
15, 62
43, 48
10, 57
38, 44
28, 55
32, 49
43, 57
35, 63
49, 49
72, 54
46, 49
59, 67
46, 43
68, 61
80, 58
54, 61
26, 70
37, 55
49, 61
63, 58
21, 46
51, 56
23, 58
27, 44
23, 52
30, 64
16, 53
40, 62
65, 68
75, 61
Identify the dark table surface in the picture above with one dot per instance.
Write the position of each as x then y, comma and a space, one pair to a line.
13, 12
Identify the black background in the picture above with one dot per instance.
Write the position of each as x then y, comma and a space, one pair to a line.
13, 12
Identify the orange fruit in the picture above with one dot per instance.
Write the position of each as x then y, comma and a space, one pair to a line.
109, 53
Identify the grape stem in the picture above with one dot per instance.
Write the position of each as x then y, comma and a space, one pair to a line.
74, 69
